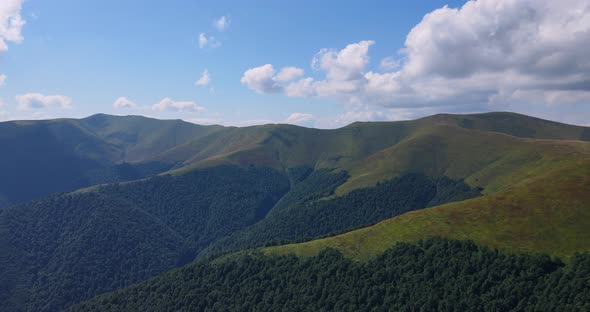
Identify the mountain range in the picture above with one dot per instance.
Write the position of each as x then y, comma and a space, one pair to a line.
94, 205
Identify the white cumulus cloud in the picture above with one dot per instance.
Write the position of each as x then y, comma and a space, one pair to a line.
2, 80
289, 73
32, 101
178, 106
300, 118
203, 40
261, 79
205, 121
389, 64
222, 23
11, 22
264, 79
123, 102
208, 41
346, 64
204, 80
485, 55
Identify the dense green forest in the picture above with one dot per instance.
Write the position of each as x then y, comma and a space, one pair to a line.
304, 213
70, 247
432, 275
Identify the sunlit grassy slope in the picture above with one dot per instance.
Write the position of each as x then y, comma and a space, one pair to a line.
489, 160
548, 212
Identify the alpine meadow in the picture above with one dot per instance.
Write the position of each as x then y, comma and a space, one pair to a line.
188, 156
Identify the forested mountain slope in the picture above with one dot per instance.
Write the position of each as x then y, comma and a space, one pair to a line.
433, 275
66, 248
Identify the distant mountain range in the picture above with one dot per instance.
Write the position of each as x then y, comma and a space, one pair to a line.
44, 157
97, 204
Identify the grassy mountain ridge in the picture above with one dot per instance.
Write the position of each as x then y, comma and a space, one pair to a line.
547, 213
512, 124
483, 159
377, 151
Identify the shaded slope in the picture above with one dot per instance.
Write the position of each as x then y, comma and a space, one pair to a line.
75, 246
39, 158
140, 138
43, 157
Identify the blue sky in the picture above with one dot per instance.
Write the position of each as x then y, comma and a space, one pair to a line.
76, 58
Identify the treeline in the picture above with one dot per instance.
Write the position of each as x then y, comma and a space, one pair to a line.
432, 275
305, 213
62, 250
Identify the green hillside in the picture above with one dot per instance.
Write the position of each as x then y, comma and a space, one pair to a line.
489, 160
547, 212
